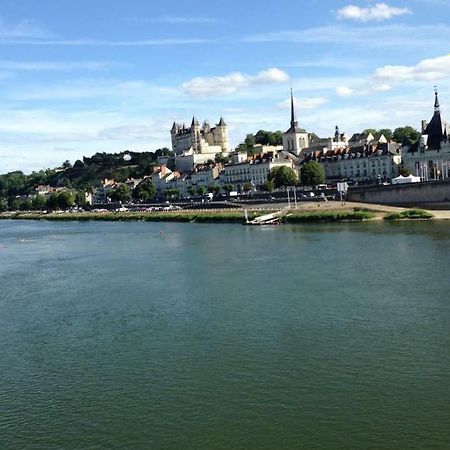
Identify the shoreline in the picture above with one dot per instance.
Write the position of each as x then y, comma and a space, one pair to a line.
331, 212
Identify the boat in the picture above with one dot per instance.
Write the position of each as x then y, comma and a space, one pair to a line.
266, 219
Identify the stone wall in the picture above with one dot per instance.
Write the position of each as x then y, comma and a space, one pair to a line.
414, 194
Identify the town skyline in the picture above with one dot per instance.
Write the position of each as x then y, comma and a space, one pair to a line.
116, 79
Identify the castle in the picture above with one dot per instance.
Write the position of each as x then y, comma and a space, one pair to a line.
200, 139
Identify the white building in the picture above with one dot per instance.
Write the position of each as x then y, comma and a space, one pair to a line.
368, 163
254, 171
429, 157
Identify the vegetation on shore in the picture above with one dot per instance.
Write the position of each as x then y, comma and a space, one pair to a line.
410, 214
194, 216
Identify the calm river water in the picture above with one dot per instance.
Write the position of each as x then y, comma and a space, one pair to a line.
116, 336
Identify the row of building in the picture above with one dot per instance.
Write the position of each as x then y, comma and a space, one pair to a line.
362, 159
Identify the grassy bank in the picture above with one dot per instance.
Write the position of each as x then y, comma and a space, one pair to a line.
410, 214
219, 216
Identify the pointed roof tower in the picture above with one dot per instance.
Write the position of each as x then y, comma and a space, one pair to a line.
194, 122
174, 127
294, 124
434, 130
221, 123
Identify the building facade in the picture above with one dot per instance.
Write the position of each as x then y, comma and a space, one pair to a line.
200, 139
429, 157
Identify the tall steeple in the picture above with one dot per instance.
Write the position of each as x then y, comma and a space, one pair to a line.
437, 106
293, 121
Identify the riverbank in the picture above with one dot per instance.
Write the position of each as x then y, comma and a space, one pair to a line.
304, 213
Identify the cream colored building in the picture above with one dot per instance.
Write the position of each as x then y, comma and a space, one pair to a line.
254, 171
200, 139
429, 158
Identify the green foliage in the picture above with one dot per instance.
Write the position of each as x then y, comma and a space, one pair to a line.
312, 174
283, 176
262, 137
407, 132
145, 190
228, 187
122, 193
39, 202
214, 189
410, 214
329, 216
172, 193
222, 159
192, 190
386, 132
247, 187
201, 190
65, 199
26, 204
268, 186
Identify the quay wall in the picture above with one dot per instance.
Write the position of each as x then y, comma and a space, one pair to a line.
434, 194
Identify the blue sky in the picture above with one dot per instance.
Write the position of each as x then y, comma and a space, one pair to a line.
77, 77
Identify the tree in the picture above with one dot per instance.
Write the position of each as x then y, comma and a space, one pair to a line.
39, 202
312, 174
52, 201
192, 190
80, 198
282, 176
14, 203
65, 199
3, 205
25, 204
386, 132
405, 132
122, 193
247, 187
66, 164
173, 193
201, 190
268, 186
145, 190
228, 187
214, 189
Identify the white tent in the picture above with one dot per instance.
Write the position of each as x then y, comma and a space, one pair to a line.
404, 180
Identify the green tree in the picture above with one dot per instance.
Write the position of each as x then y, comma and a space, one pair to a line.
39, 202
312, 174
407, 132
268, 186
214, 189
282, 176
247, 187
145, 190
228, 187
201, 190
52, 201
14, 203
3, 205
192, 190
122, 193
65, 199
172, 193
26, 204
80, 198
386, 132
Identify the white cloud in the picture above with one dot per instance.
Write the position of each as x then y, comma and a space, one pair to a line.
22, 29
229, 84
429, 70
378, 12
344, 91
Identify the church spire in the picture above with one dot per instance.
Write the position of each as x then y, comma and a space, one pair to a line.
437, 106
293, 121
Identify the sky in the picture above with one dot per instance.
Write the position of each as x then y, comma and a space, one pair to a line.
79, 77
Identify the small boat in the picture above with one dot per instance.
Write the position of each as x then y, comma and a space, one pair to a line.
266, 219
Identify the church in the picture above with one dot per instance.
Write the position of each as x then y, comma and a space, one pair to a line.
295, 139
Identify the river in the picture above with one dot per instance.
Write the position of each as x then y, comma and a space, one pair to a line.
219, 336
